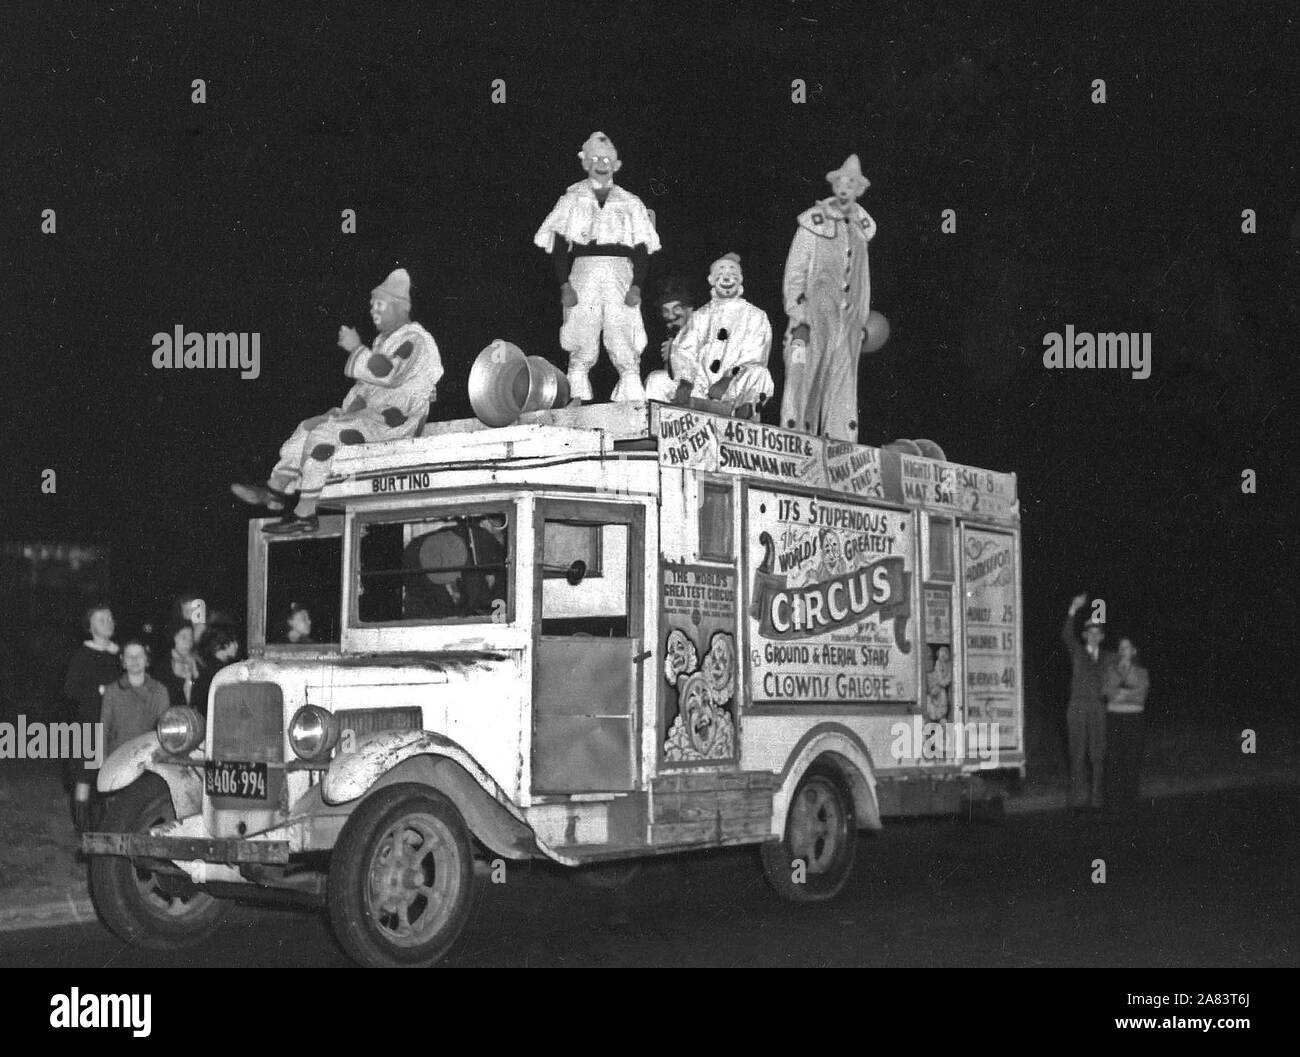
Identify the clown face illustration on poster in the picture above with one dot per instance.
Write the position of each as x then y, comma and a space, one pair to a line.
830, 607
699, 664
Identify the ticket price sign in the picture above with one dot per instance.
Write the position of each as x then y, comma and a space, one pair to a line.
830, 615
989, 640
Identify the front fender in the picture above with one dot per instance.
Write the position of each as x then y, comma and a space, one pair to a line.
143, 753
351, 774
503, 829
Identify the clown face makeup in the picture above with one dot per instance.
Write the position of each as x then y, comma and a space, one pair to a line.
601, 162
726, 279
847, 190
831, 548
675, 314
943, 664
385, 313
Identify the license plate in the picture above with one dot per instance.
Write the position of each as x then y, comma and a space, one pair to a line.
247, 781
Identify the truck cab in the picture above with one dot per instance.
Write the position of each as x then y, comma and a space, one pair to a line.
599, 634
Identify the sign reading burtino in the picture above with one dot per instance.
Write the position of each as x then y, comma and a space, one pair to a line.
830, 605
989, 576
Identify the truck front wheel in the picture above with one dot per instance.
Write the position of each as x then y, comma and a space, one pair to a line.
401, 879
149, 907
813, 860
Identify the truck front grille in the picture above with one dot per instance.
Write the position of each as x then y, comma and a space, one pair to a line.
248, 723
372, 720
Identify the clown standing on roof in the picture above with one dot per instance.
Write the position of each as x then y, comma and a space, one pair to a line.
395, 382
827, 291
600, 238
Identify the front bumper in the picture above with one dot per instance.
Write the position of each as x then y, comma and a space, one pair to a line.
185, 849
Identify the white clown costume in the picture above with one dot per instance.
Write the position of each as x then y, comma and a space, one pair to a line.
827, 289
726, 341
600, 248
395, 383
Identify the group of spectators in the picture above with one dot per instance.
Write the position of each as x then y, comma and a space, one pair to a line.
128, 686
1108, 692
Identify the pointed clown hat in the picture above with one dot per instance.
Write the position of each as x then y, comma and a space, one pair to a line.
397, 286
852, 170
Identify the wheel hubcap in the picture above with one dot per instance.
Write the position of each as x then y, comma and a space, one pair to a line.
157, 891
413, 879
817, 825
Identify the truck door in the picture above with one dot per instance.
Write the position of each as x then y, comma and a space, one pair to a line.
587, 682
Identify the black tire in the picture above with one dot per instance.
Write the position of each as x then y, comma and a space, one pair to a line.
157, 911
391, 912
813, 860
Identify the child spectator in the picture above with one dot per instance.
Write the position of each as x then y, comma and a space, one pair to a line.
297, 625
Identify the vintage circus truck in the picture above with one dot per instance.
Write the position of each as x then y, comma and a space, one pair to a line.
597, 634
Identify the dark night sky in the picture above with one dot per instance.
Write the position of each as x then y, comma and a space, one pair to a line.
1125, 217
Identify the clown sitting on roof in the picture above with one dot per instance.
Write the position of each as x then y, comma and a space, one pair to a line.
721, 353
395, 382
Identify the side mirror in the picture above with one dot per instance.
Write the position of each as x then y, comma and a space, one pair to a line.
577, 572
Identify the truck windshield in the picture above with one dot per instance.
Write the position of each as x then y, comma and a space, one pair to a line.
434, 569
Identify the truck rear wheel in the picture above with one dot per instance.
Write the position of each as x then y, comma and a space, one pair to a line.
401, 879
147, 907
813, 860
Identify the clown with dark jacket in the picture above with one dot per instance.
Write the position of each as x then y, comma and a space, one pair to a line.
395, 382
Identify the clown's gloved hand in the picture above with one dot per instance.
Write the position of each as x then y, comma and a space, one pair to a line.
633, 297
719, 388
349, 339
568, 298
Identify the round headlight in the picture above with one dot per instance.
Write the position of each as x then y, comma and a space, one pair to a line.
313, 733
180, 730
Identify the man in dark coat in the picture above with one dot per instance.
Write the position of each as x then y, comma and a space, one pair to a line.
1086, 714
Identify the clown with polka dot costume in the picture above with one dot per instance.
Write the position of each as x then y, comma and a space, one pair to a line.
396, 380
721, 353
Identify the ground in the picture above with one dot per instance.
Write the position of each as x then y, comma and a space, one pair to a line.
1199, 875
1200, 880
